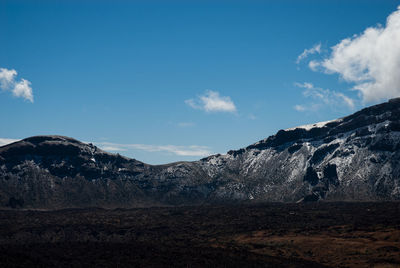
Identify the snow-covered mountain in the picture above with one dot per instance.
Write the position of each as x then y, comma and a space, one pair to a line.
355, 158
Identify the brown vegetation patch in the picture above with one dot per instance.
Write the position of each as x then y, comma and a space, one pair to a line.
338, 246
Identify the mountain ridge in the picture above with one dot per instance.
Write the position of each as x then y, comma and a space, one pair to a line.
353, 158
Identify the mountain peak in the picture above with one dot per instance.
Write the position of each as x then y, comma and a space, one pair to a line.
53, 138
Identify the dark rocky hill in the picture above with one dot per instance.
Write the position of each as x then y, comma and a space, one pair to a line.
355, 158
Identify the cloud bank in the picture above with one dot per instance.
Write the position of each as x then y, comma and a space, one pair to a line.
211, 101
21, 89
192, 150
322, 98
370, 60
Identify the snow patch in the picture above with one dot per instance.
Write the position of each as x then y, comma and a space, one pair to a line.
316, 125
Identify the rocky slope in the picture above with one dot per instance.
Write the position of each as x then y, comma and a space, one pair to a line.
355, 158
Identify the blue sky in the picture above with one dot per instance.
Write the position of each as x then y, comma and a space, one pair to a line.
164, 81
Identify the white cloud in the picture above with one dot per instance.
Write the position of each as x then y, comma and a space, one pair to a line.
7, 78
304, 85
192, 150
112, 148
370, 60
4, 141
211, 101
20, 88
313, 65
300, 108
348, 101
307, 52
322, 97
23, 89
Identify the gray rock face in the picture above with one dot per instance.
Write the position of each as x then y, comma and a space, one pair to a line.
355, 158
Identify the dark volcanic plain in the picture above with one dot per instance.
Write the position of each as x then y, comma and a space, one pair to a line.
237, 235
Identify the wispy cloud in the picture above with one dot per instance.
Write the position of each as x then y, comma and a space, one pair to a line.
192, 150
370, 60
20, 88
321, 98
186, 124
300, 108
252, 117
4, 141
316, 49
211, 101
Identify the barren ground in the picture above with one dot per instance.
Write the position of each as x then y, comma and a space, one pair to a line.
251, 235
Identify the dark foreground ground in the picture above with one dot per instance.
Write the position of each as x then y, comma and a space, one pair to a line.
246, 235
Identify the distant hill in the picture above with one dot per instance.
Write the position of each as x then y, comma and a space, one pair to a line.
355, 158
